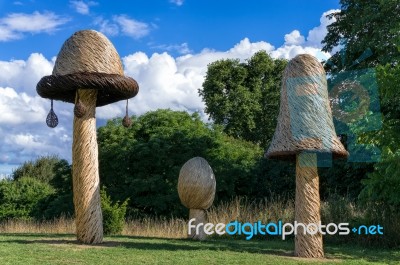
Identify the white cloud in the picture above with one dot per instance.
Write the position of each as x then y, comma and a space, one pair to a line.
317, 34
23, 114
110, 111
24, 131
14, 25
131, 27
106, 27
24, 75
294, 38
165, 82
182, 48
18, 108
124, 25
82, 7
177, 2
7, 34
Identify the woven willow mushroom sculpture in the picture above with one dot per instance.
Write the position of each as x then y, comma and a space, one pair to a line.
305, 133
196, 189
89, 73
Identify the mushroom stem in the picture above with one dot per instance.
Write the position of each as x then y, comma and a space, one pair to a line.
307, 206
200, 217
85, 172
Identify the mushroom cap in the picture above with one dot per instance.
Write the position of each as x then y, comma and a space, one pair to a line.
305, 118
196, 184
88, 60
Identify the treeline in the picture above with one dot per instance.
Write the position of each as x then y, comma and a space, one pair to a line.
142, 164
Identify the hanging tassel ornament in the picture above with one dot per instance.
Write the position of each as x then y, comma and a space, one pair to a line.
127, 122
79, 109
51, 120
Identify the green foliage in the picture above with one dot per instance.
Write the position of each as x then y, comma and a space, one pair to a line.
61, 202
244, 97
383, 185
362, 25
42, 169
113, 214
142, 163
19, 198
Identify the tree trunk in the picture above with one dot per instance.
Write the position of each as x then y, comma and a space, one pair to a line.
307, 206
85, 171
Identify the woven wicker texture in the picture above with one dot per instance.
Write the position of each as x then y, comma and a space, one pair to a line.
88, 51
196, 184
88, 60
52, 119
305, 117
85, 174
307, 206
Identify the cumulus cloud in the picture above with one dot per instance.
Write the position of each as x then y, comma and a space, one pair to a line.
168, 82
124, 25
13, 26
317, 34
18, 108
82, 7
165, 82
294, 38
24, 75
23, 129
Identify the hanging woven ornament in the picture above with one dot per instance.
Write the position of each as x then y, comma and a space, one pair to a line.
79, 109
127, 122
51, 120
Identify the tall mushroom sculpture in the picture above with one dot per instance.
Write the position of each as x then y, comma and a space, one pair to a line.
88, 72
305, 133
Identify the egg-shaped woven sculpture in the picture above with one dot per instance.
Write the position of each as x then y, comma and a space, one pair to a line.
196, 184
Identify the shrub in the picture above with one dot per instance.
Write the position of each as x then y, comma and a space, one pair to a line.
20, 198
113, 214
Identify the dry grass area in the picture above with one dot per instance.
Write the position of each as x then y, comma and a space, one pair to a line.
238, 209
245, 210
57, 226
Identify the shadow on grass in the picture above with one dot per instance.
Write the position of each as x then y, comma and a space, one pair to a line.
269, 247
164, 244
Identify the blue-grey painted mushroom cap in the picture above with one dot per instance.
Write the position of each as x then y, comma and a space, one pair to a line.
305, 121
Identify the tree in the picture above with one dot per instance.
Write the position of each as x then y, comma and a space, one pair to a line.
244, 97
362, 27
383, 185
368, 36
61, 202
142, 163
53, 172
43, 169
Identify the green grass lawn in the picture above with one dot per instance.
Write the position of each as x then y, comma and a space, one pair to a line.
63, 249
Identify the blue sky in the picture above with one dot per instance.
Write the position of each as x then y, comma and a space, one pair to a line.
165, 45
199, 23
